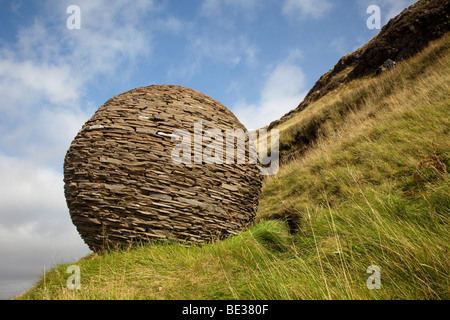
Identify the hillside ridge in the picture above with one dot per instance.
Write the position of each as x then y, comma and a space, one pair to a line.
401, 38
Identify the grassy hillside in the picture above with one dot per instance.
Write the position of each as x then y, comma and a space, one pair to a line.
366, 184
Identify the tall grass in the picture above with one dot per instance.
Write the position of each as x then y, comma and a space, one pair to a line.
327, 117
378, 191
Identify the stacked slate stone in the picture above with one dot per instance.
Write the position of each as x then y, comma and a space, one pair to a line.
122, 186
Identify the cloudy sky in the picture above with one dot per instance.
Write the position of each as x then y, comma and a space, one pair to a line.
257, 57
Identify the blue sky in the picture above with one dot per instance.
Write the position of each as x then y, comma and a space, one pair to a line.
258, 58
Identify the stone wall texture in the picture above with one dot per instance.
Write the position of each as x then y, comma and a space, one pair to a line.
123, 188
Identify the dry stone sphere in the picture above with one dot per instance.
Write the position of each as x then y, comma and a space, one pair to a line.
123, 187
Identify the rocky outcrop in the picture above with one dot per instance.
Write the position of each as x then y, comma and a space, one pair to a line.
122, 186
386, 66
402, 37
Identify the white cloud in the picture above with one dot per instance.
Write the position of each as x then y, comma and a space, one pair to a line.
283, 90
41, 112
301, 9
211, 7
28, 193
216, 7
52, 83
44, 75
214, 38
340, 46
172, 24
229, 50
224, 49
111, 33
35, 225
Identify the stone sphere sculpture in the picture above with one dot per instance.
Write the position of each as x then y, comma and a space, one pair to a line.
128, 179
